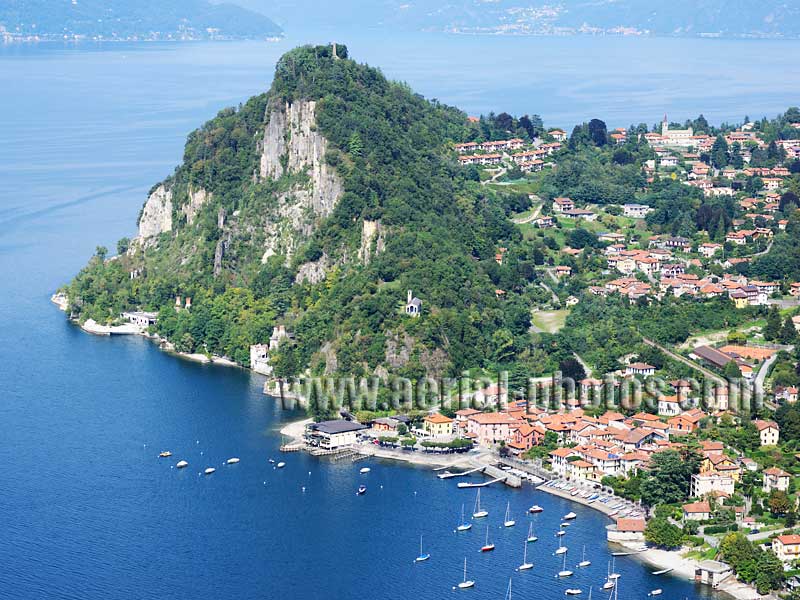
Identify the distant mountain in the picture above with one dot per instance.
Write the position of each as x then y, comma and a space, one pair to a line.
130, 20
723, 18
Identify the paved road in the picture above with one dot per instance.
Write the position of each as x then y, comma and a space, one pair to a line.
684, 360
764, 370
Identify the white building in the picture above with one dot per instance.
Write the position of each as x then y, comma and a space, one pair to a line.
636, 211
333, 434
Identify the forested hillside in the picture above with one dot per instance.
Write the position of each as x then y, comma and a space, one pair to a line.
404, 216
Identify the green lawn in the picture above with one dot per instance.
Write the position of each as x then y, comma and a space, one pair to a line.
549, 320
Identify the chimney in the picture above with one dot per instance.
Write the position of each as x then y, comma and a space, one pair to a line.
188, 302
178, 301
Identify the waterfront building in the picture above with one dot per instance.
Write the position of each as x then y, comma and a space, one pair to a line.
333, 434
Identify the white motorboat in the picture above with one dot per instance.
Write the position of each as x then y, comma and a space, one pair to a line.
364, 470
569, 516
209, 470
280, 465
232, 461
535, 509
182, 464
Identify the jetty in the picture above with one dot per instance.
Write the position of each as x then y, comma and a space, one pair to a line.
448, 474
464, 484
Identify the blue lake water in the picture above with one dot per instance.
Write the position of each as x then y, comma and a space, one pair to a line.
88, 510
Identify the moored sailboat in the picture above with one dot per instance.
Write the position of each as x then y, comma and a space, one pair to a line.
525, 564
508, 522
466, 583
531, 537
423, 556
463, 525
479, 512
487, 547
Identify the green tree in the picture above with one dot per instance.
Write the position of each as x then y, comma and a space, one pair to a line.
669, 478
660, 532
779, 503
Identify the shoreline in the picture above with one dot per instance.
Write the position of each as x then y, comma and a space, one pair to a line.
682, 567
91, 327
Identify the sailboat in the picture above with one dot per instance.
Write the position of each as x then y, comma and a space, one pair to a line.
525, 564
479, 512
584, 562
613, 576
531, 537
609, 583
509, 522
487, 547
466, 583
560, 532
561, 548
423, 556
463, 525
564, 572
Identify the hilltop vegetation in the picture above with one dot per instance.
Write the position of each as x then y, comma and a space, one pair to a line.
441, 229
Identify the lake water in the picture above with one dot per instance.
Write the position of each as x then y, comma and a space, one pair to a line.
88, 510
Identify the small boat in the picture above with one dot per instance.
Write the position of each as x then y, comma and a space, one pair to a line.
569, 516
560, 532
271, 461
182, 464
561, 549
164, 454
508, 522
423, 556
535, 509
531, 536
656, 592
662, 571
364, 470
280, 465
565, 524
564, 572
479, 512
232, 461
463, 525
608, 584
465, 583
487, 547
362, 489
525, 564
209, 470
584, 562
573, 592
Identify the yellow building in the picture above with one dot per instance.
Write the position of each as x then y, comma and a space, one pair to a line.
787, 547
438, 425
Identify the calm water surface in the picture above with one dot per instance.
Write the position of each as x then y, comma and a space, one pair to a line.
88, 510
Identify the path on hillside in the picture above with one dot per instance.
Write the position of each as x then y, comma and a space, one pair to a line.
531, 217
684, 360
500, 172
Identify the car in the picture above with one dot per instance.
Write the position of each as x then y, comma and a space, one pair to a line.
754, 530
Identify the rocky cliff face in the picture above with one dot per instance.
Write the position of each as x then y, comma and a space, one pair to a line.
157, 214
292, 146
